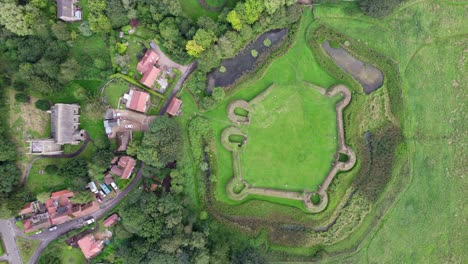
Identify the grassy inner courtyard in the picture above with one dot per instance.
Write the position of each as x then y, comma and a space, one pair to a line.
291, 139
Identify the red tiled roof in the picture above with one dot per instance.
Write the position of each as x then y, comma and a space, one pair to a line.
111, 220
128, 168
138, 101
115, 170
27, 209
89, 208
57, 219
66, 193
174, 107
90, 246
150, 76
114, 160
153, 187
148, 60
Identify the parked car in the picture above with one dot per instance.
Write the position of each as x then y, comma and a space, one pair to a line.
99, 198
102, 194
128, 126
114, 186
53, 228
89, 221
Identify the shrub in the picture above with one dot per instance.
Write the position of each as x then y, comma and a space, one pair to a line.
254, 53
20, 85
51, 169
43, 105
267, 42
222, 69
85, 29
334, 44
22, 98
121, 48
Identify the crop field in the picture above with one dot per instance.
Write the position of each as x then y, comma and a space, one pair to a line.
291, 139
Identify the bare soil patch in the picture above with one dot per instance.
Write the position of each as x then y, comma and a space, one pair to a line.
367, 75
244, 62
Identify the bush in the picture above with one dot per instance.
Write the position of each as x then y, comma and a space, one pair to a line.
20, 85
267, 42
43, 105
254, 53
222, 69
22, 98
51, 169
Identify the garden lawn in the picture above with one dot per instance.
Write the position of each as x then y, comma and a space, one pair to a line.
291, 139
44, 182
26, 248
67, 254
114, 91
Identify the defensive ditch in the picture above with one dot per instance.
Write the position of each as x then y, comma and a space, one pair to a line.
367, 75
244, 62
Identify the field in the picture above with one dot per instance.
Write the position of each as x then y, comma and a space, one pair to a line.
431, 51
291, 139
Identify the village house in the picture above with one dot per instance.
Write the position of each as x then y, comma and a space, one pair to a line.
56, 210
174, 108
111, 220
90, 246
124, 167
67, 10
65, 120
146, 67
137, 101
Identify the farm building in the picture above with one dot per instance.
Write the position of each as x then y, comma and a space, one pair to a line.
90, 246
137, 100
111, 220
174, 107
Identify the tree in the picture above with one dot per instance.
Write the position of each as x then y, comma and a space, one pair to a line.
162, 144
69, 70
100, 161
83, 197
271, 6
193, 49
19, 19
10, 175
204, 37
267, 42
51, 169
254, 53
378, 8
116, 13
75, 172
99, 23
60, 31
234, 20
218, 94
42, 197
253, 10
85, 29
7, 150
22, 98
120, 47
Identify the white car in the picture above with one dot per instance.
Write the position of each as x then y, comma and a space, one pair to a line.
114, 186
53, 228
89, 221
102, 194
128, 126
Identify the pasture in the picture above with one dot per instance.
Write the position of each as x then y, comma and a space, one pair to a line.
291, 139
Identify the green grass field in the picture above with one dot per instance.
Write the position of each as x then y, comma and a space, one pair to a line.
291, 139
114, 91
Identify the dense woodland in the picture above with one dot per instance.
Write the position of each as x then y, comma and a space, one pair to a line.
37, 58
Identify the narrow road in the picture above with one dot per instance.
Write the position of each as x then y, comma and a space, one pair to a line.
8, 236
48, 236
182, 79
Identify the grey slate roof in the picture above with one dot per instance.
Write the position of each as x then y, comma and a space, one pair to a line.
65, 120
